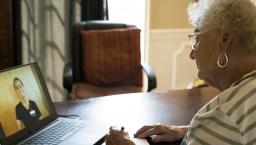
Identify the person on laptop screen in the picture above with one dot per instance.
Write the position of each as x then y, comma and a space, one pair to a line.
27, 112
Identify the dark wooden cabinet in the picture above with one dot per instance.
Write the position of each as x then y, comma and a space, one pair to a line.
6, 34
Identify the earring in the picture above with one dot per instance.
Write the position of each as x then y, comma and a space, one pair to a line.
226, 60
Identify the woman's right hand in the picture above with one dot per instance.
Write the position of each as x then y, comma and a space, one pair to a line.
118, 137
162, 133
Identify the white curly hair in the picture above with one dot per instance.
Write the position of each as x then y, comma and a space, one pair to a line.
237, 15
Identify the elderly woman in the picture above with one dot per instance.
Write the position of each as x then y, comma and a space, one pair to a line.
224, 49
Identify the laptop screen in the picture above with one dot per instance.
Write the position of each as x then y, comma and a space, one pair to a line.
25, 104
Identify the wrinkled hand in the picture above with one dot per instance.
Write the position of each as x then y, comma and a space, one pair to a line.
162, 133
118, 137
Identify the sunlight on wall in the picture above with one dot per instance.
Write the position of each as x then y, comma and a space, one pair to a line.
45, 39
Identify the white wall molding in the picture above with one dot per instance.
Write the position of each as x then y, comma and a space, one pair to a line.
169, 56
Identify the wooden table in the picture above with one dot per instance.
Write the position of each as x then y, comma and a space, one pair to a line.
134, 110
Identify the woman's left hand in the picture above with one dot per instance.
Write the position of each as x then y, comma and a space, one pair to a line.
162, 133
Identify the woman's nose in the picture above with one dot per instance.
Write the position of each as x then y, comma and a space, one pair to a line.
191, 55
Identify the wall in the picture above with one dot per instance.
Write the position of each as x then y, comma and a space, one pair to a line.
169, 50
169, 14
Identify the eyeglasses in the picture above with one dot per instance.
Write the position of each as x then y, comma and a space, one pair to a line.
194, 39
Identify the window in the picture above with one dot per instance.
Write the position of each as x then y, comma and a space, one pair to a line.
129, 12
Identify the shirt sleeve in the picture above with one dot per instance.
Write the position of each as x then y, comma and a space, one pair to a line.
214, 127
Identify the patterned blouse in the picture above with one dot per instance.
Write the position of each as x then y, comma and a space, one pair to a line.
229, 118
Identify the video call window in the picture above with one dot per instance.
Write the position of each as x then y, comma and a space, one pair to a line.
22, 100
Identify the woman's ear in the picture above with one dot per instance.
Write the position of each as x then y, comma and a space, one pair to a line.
225, 37
227, 40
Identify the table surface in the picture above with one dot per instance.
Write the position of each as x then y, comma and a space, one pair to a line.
134, 110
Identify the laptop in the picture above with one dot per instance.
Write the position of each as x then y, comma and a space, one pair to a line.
28, 116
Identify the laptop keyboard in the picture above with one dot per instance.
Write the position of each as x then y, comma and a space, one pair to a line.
55, 134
